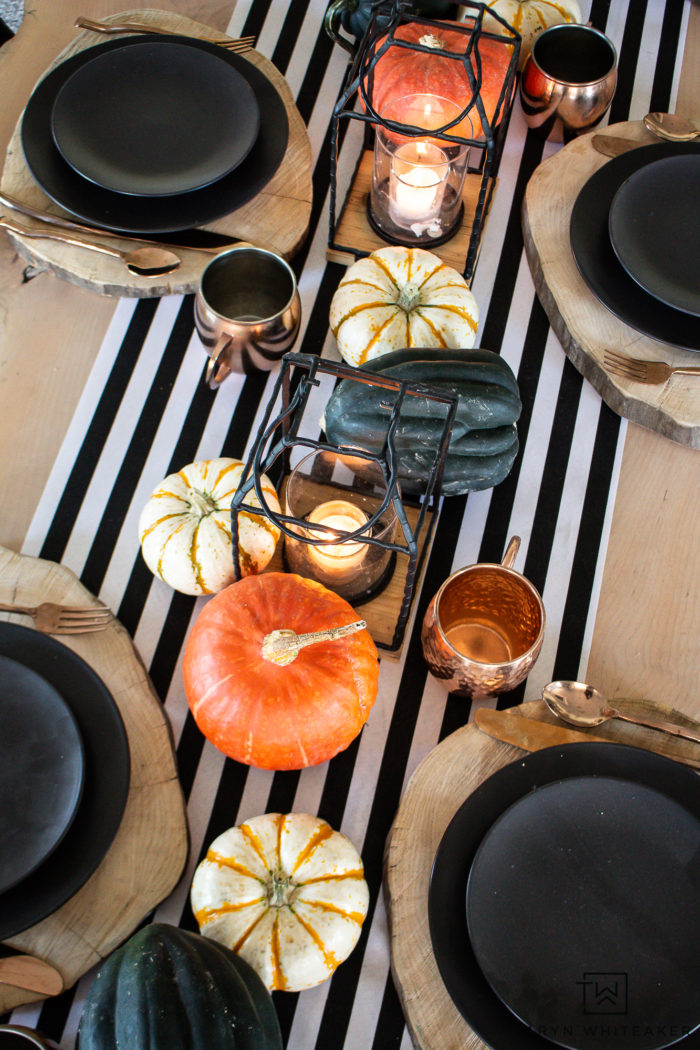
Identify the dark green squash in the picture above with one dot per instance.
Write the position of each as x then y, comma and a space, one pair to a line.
169, 989
355, 14
484, 440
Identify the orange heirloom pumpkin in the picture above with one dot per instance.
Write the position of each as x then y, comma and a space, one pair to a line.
264, 709
400, 72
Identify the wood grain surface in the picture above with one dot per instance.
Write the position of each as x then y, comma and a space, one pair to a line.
439, 786
149, 851
584, 326
276, 218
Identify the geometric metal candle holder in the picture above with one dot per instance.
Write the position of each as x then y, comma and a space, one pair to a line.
353, 513
362, 224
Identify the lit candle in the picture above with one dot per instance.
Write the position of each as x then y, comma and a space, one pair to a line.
339, 559
417, 184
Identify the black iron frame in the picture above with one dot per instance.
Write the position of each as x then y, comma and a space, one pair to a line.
276, 439
379, 36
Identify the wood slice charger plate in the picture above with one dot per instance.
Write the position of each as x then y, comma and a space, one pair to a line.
149, 850
584, 326
447, 776
277, 217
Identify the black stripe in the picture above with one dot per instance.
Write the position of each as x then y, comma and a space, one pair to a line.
599, 14
255, 19
286, 42
627, 65
390, 1024
313, 78
595, 503
59, 531
119, 500
504, 282
666, 57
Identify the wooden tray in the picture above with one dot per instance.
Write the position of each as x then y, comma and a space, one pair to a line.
439, 786
277, 218
149, 852
584, 326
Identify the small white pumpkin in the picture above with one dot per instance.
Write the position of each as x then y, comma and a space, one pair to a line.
401, 297
185, 528
287, 893
528, 17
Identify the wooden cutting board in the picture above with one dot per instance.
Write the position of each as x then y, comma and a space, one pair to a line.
439, 786
277, 218
584, 326
150, 849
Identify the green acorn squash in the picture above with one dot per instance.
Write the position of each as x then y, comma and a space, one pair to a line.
484, 440
169, 989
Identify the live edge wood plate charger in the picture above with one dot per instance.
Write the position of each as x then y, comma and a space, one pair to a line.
445, 778
584, 326
148, 854
276, 218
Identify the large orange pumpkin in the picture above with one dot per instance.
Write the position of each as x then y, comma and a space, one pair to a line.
401, 72
272, 714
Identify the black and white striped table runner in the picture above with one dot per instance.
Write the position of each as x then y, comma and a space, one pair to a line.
146, 412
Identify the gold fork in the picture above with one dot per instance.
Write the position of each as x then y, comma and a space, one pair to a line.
654, 372
63, 619
239, 46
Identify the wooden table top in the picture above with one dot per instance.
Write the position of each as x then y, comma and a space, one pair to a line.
646, 638
650, 598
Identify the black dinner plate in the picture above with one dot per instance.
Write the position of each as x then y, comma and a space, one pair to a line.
583, 914
106, 786
155, 119
458, 966
654, 228
598, 264
41, 770
129, 214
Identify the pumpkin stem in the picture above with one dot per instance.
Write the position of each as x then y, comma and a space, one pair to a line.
431, 40
282, 646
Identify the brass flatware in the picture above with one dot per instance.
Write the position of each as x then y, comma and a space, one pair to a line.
532, 735
26, 971
671, 126
653, 373
239, 46
51, 618
581, 705
146, 261
95, 231
614, 145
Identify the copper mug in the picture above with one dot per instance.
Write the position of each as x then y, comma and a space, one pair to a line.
568, 81
247, 312
484, 628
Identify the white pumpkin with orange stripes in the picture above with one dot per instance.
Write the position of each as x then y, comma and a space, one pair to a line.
528, 17
287, 893
185, 528
398, 298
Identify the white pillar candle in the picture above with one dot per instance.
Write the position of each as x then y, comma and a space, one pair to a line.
336, 560
419, 172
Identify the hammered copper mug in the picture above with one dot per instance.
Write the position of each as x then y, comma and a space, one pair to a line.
484, 628
247, 312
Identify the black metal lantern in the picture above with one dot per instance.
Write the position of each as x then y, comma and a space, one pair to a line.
344, 520
420, 147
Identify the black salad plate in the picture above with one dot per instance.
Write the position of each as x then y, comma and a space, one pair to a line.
155, 119
583, 913
462, 975
106, 784
134, 214
41, 770
655, 230
600, 267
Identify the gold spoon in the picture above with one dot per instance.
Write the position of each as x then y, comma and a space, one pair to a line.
582, 705
144, 261
671, 126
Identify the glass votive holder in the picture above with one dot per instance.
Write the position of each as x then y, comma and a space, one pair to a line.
417, 181
338, 496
